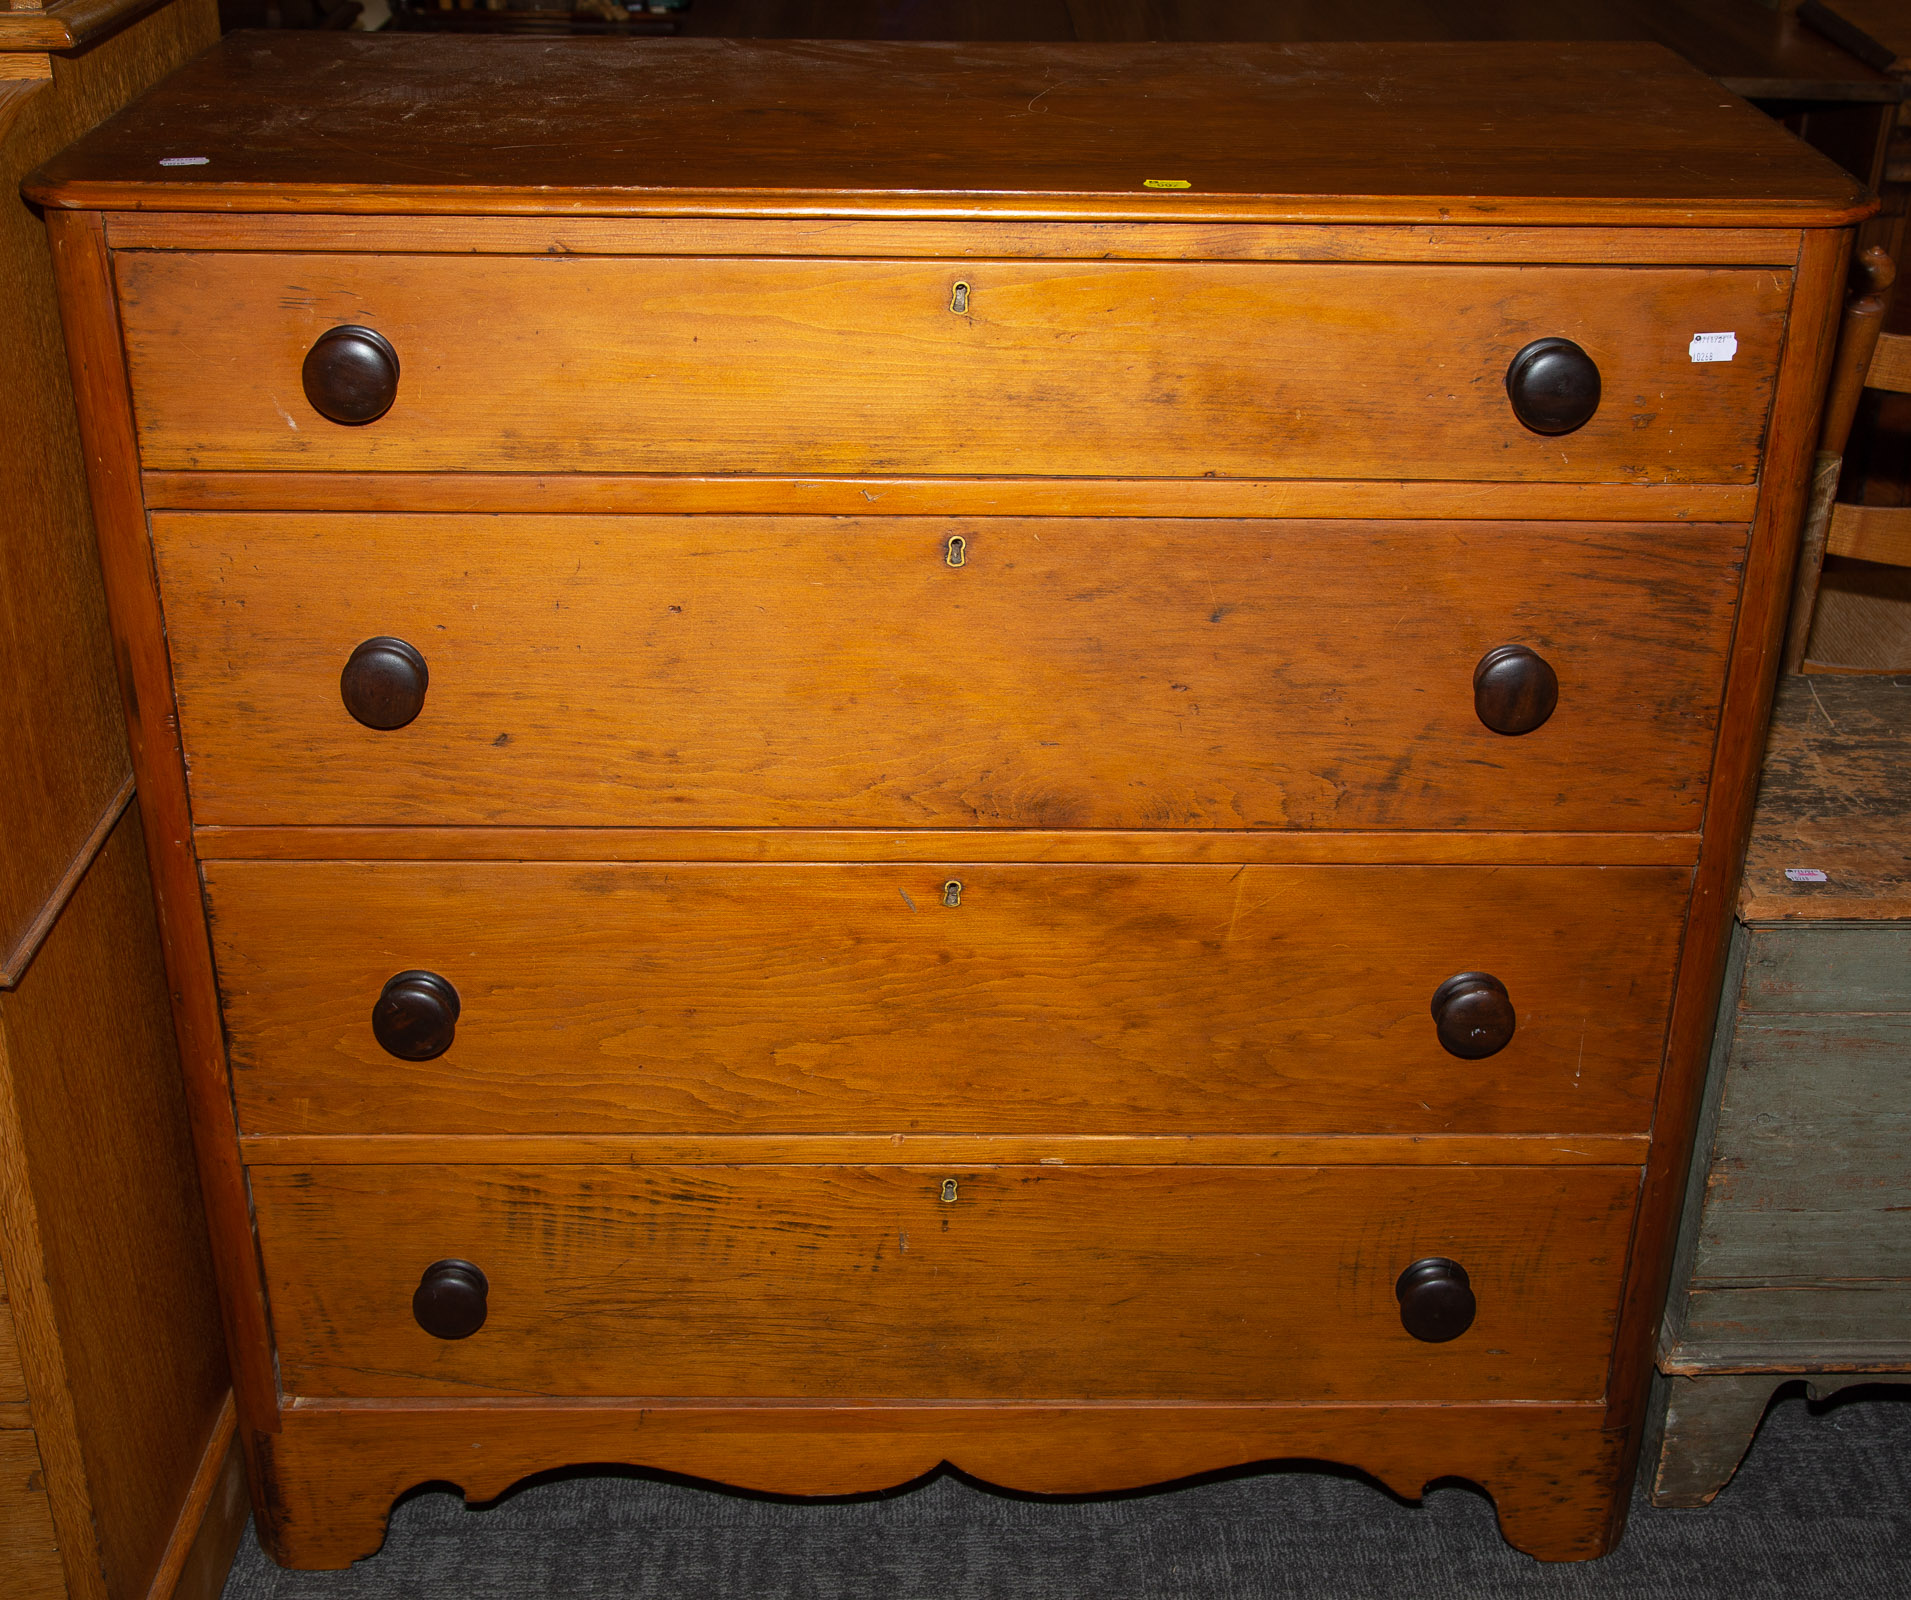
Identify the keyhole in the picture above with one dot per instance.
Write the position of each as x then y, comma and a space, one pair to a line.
958, 550
959, 299
952, 893
948, 1191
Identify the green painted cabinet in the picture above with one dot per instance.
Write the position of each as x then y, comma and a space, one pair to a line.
1795, 1260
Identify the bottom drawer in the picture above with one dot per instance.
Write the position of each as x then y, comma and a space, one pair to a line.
1042, 1282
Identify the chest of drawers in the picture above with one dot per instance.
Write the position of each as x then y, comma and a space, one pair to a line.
861, 756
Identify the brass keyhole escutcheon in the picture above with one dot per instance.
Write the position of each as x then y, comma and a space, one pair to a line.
957, 551
959, 298
952, 893
948, 1191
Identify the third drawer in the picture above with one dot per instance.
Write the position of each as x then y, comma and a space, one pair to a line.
942, 998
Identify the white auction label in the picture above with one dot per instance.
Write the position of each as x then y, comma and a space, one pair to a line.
1713, 346
1805, 875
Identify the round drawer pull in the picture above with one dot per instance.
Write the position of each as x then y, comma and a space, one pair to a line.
1436, 1301
383, 683
1554, 386
351, 375
416, 1016
1514, 689
1474, 1015
449, 1302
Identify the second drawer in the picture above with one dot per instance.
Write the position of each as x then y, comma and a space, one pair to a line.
1069, 672
856, 998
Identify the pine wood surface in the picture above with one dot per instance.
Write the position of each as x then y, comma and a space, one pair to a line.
1052, 999
1566, 1505
106, 426
1061, 369
1757, 647
29, 1548
1552, 1469
856, 1149
638, 493
790, 672
860, 1283
1275, 133
1234, 846
862, 239
1835, 798
91, 1075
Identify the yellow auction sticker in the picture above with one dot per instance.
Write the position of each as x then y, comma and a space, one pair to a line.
1166, 183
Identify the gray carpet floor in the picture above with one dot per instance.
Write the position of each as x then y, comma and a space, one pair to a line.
1821, 1508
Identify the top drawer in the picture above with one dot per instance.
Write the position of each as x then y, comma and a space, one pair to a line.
1179, 369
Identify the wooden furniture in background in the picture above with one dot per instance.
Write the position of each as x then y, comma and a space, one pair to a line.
1842, 620
1141, 887
1795, 1260
1828, 529
118, 1476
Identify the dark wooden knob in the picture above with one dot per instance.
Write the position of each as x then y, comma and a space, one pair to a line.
449, 1302
384, 682
416, 1017
1474, 1015
1514, 689
1554, 386
351, 375
1436, 1301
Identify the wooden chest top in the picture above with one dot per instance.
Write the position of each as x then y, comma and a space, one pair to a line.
1408, 133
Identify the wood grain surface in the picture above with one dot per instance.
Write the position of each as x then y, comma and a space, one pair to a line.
1811, 1164
1838, 969
1835, 798
1552, 1469
865, 238
1052, 999
1033, 1283
1880, 534
1862, 1324
92, 1074
29, 1548
1234, 847
63, 758
1177, 369
679, 493
1757, 648
13, 1383
106, 427
1071, 674
858, 1149
1353, 133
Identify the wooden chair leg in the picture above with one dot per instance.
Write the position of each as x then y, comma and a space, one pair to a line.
1707, 1425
